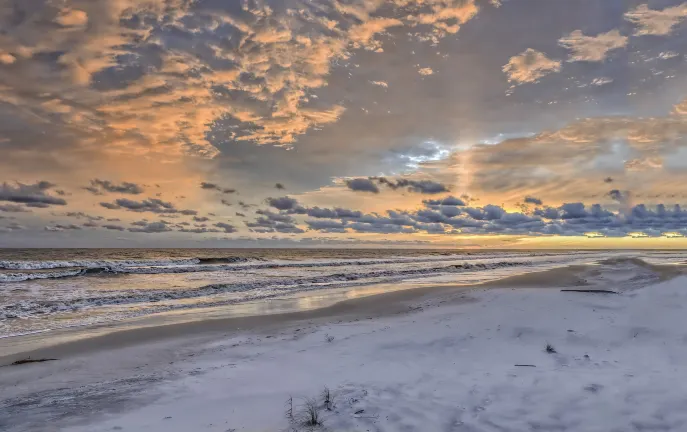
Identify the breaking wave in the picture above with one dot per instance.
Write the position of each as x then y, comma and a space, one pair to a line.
260, 289
42, 265
36, 269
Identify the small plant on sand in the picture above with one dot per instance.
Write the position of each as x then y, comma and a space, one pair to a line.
309, 413
289, 410
327, 399
328, 338
550, 349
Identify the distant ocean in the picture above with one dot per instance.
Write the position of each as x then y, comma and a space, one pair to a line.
45, 289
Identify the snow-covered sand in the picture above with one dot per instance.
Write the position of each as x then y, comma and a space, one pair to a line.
447, 364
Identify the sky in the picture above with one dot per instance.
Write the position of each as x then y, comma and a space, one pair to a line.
343, 123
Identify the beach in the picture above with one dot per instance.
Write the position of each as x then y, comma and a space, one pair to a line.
436, 359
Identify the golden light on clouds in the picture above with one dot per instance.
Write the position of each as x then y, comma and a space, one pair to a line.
452, 123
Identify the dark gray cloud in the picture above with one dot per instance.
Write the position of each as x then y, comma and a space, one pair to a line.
448, 201
279, 186
619, 196
275, 217
370, 184
199, 230
282, 203
152, 205
114, 227
98, 186
82, 215
274, 222
32, 195
228, 228
569, 219
200, 218
533, 200
420, 186
327, 225
216, 187
334, 213
362, 185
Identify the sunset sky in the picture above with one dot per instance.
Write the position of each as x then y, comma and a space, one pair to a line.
343, 123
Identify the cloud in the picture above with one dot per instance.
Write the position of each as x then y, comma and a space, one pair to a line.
71, 18
159, 77
226, 227
200, 219
601, 81
213, 186
81, 215
199, 230
282, 203
13, 208
7, 58
380, 83
419, 186
529, 66
98, 185
60, 227
14, 226
114, 227
592, 48
279, 186
533, 200
362, 185
425, 71
448, 201
568, 219
268, 221
152, 205
327, 225
150, 227
33, 195
666, 55
656, 22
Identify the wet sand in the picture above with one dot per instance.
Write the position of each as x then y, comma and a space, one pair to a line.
377, 305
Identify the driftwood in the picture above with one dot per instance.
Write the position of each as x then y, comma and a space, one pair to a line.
596, 291
30, 360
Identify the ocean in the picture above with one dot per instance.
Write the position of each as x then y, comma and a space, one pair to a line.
48, 289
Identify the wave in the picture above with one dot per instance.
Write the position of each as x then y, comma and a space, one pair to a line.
262, 289
20, 277
195, 265
42, 265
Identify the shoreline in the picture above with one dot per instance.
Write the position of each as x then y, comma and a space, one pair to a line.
114, 336
256, 316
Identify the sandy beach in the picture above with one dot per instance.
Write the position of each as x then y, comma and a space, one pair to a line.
433, 359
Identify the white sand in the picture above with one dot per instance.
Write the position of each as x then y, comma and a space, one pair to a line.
449, 366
